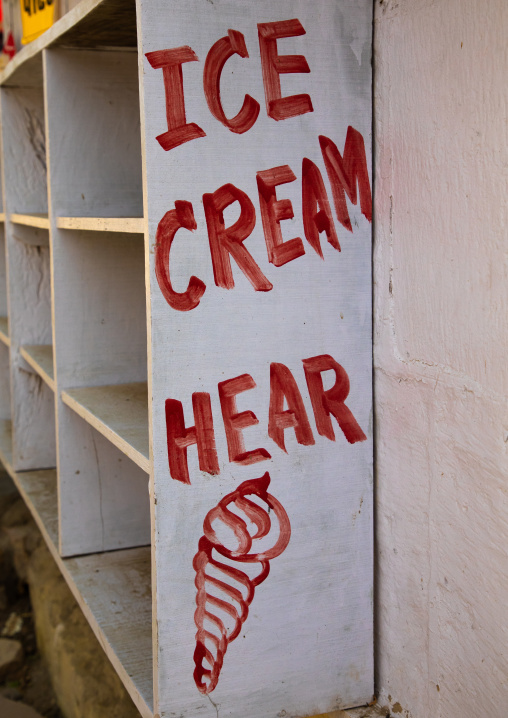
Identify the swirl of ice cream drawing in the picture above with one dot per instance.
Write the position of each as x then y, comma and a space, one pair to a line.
229, 564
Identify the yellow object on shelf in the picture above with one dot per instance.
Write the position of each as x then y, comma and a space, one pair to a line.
36, 17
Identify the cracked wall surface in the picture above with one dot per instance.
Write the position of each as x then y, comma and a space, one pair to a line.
440, 346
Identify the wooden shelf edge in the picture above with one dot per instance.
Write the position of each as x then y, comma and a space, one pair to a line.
4, 331
40, 221
2, 216
129, 225
44, 513
73, 399
29, 354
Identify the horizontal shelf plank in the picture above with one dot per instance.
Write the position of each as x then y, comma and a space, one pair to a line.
113, 589
4, 331
131, 225
119, 412
40, 358
40, 221
2, 216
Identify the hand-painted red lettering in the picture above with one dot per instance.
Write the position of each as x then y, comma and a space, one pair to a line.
219, 53
331, 401
274, 65
273, 211
170, 61
283, 386
235, 422
345, 172
179, 437
317, 213
180, 217
226, 241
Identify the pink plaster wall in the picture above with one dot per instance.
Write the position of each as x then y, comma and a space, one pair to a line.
441, 341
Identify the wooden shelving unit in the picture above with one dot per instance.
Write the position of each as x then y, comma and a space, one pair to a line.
73, 341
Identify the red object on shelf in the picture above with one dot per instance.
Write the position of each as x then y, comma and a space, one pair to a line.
10, 46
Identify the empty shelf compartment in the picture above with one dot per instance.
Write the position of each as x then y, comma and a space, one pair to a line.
119, 412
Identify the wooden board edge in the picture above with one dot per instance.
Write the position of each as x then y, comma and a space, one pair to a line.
127, 225
146, 238
31, 220
5, 339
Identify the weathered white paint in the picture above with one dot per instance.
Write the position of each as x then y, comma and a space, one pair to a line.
24, 150
441, 375
30, 235
306, 646
98, 150
28, 274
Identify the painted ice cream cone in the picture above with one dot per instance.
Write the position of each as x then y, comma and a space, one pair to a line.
225, 591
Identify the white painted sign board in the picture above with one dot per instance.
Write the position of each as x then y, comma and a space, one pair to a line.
257, 133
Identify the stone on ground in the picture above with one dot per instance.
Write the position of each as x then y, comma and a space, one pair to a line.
11, 656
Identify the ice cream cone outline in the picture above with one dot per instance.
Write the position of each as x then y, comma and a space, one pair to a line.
212, 642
